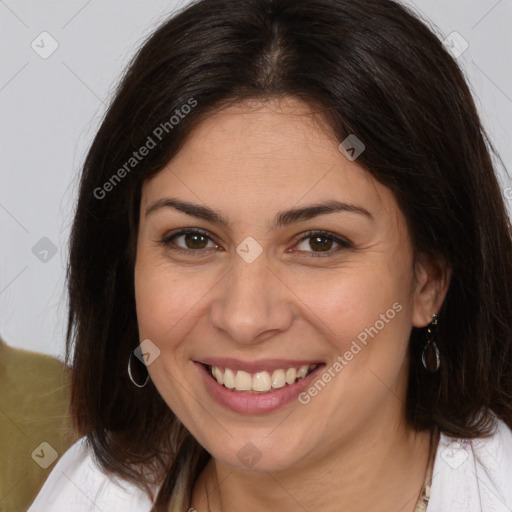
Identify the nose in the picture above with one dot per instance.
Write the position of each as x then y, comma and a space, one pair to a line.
252, 303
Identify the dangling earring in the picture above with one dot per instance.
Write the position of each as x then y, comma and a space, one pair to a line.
430, 356
131, 376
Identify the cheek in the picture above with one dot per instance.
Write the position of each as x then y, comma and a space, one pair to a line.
161, 308
367, 317
168, 301
157, 297
346, 303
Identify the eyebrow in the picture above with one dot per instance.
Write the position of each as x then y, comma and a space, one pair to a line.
283, 218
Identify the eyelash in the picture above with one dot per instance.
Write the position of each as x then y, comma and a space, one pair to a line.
344, 244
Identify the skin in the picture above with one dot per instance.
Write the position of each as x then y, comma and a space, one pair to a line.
349, 448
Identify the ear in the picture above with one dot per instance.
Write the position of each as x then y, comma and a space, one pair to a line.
432, 280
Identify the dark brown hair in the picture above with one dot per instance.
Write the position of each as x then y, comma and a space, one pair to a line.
369, 68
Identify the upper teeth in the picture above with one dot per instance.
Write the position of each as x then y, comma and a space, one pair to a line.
260, 381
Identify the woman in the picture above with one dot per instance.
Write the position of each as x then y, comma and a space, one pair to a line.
290, 274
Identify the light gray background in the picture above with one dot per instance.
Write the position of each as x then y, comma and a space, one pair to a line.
50, 109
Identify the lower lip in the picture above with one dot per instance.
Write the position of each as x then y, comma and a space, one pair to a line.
255, 403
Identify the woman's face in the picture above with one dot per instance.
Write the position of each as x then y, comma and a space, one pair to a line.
253, 292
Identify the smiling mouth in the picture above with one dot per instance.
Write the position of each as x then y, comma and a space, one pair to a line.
260, 382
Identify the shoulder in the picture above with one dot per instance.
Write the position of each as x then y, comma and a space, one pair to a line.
77, 484
14, 360
473, 475
34, 400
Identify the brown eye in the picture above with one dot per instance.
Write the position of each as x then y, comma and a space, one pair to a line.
188, 241
195, 241
322, 242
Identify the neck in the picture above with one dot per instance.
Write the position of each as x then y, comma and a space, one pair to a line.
376, 470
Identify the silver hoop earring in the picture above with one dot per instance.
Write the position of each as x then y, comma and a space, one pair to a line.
430, 356
131, 376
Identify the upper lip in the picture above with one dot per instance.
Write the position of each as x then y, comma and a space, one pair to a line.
259, 365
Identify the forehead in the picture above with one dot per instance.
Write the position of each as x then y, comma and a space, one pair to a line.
264, 154
276, 132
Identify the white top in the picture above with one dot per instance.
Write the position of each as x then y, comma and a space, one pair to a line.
468, 476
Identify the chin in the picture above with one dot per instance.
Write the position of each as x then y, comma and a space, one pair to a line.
260, 454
